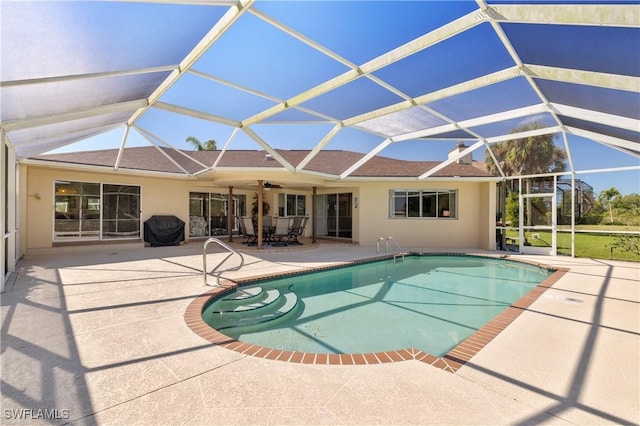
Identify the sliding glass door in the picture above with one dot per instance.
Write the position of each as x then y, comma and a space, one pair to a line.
94, 211
334, 215
208, 213
77, 211
120, 211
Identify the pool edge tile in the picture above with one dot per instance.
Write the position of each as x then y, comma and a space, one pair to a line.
450, 362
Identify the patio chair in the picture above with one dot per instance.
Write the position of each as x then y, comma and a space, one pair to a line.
267, 229
249, 231
241, 230
297, 229
281, 233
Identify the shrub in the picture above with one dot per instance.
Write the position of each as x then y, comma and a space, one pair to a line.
591, 218
513, 209
627, 243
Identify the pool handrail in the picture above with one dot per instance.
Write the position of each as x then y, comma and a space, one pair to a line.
231, 251
388, 248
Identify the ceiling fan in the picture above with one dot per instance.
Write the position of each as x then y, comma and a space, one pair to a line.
268, 185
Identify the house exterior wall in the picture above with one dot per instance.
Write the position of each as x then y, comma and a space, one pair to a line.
474, 226
158, 196
471, 228
487, 233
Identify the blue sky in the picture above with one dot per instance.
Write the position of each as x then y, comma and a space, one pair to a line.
256, 55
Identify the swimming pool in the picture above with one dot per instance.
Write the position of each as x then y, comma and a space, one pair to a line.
431, 303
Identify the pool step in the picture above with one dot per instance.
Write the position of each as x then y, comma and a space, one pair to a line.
247, 300
271, 297
280, 309
244, 294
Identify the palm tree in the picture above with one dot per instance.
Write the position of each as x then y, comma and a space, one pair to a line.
607, 198
527, 156
209, 145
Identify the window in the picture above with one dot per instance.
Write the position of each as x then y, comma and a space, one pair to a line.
439, 203
292, 205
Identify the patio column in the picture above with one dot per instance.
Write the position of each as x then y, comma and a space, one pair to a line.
313, 214
230, 216
259, 230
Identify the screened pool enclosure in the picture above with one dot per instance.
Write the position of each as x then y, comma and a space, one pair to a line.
395, 79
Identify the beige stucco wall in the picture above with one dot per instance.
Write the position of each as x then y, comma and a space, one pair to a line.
474, 226
158, 196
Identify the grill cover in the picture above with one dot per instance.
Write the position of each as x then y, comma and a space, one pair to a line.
163, 231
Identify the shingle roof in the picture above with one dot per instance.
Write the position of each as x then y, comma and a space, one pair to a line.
330, 162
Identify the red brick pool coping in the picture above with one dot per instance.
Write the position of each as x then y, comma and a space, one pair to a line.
450, 362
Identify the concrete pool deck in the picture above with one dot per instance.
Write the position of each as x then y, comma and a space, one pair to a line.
97, 335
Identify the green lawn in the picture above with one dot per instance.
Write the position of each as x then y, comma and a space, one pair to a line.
597, 246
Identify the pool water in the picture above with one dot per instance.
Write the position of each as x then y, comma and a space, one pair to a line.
431, 303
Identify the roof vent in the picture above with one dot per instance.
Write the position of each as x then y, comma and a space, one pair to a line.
268, 157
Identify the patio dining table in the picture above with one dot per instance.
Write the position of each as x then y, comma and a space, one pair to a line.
269, 231
267, 234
